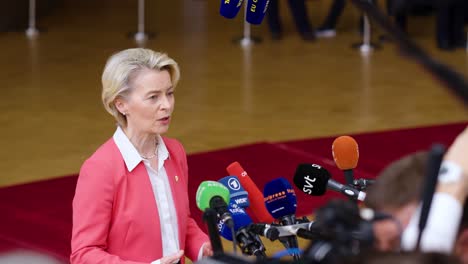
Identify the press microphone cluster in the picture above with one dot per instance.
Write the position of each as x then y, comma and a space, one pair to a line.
231, 196
226, 199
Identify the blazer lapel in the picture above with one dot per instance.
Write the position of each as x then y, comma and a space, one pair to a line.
178, 193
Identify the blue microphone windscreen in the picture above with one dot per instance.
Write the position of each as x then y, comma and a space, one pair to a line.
230, 8
256, 10
238, 194
240, 218
280, 199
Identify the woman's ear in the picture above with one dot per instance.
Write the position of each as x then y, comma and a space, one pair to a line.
121, 105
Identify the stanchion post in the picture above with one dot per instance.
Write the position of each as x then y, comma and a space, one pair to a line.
366, 46
141, 36
246, 40
366, 37
32, 31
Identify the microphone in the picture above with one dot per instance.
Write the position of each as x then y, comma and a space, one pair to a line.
269, 231
313, 179
281, 202
256, 10
275, 231
345, 152
249, 243
238, 195
362, 184
255, 197
230, 8
210, 217
214, 195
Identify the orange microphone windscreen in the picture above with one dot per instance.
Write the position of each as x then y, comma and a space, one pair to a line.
345, 152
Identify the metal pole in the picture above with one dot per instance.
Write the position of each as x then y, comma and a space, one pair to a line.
32, 30
366, 37
141, 36
246, 39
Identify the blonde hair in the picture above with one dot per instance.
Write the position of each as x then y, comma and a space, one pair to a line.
122, 67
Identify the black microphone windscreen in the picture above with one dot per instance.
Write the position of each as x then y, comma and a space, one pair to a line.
311, 179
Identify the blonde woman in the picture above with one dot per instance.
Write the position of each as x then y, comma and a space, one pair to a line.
131, 200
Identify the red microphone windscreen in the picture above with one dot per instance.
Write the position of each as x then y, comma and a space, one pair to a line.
257, 205
345, 152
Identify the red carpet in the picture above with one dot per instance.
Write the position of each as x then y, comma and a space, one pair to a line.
37, 216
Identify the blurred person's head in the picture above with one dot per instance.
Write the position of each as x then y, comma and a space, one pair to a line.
137, 89
396, 192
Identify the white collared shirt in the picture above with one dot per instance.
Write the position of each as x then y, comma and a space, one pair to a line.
161, 189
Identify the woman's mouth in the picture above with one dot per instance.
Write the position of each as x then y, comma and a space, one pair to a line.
164, 120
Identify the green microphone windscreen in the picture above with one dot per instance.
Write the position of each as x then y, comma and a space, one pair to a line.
208, 190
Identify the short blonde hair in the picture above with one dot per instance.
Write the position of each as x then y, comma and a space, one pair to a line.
122, 67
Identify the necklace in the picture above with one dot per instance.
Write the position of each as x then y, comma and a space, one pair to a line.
153, 155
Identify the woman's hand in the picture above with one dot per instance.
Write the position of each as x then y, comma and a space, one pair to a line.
207, 250
172, 258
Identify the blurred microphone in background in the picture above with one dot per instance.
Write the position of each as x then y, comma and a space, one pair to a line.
230, 8
257, 206
281, 203
345, 152
256, 10
344, 233
314, 180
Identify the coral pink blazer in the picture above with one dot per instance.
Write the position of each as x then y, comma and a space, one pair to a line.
115, 216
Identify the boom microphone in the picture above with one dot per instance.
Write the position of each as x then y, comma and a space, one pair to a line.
238, 195
313, 179
433, 167
230, 8
214, 195
345, 152
257, 205
256, 10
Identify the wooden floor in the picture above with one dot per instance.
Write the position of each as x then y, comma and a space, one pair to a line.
52, 118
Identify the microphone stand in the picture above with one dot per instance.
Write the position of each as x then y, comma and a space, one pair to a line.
234, 241
290, 242
210, 217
